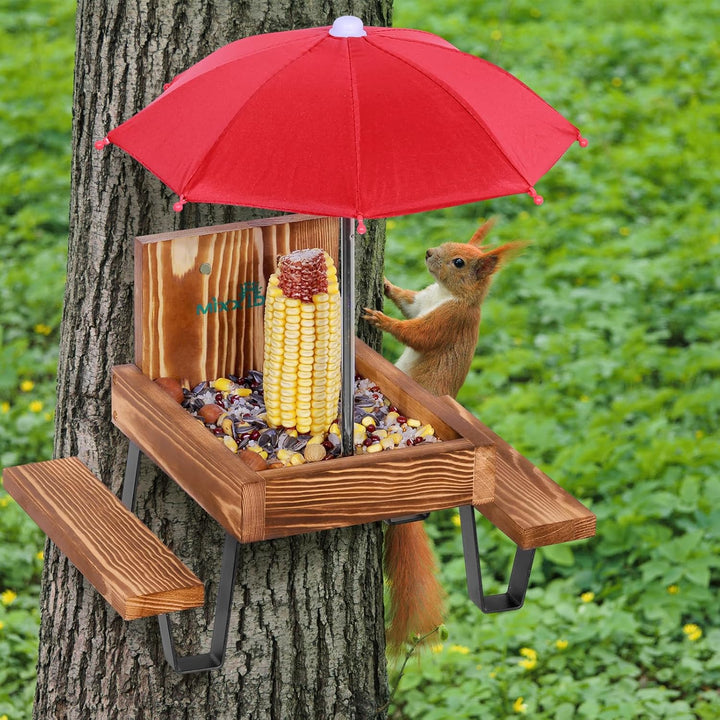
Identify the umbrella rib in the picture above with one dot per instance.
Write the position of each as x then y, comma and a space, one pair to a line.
221, 136
443, 86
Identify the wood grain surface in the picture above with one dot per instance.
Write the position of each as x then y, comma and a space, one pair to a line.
189, 453
199, 293
367, 488
528, 506
119, 555
417, 402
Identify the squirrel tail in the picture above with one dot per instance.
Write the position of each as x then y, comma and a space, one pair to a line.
415, 594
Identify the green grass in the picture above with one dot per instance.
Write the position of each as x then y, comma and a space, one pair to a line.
599, 360
598, 357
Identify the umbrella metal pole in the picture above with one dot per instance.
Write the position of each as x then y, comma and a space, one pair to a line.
347, 362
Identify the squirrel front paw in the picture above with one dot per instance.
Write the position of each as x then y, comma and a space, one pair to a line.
376, 317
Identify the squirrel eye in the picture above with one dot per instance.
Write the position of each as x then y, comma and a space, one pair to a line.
458, 262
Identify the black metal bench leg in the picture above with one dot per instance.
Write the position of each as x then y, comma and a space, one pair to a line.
514, 598
223, 605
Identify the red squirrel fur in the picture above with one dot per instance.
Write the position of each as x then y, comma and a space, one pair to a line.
440, 332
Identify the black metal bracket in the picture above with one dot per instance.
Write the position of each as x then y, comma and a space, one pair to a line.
403, 519
214, 659
514, 597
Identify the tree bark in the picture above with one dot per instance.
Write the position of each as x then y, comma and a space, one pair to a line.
307, 634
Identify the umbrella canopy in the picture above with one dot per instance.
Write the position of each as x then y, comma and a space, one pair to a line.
347, 121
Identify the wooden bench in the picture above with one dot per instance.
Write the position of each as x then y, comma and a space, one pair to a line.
526, 505
113, 549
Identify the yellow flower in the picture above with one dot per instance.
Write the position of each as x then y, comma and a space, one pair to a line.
4, 502
496, 35
460, 649
692, 631
530, 656
5, 407
8, 597
35, 406
518, 706
27, 385
673, 589
456, 520
42, 329
699, 434
624, 231
587, 597
390, 224
2, 625
561, 644
438, 648
534, 12
40, 555
616, 82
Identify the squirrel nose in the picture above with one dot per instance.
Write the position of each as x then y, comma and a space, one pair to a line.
428, 253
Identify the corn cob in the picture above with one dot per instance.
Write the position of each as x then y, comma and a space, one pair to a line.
302, 343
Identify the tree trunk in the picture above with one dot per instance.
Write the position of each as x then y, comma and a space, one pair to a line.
306, 637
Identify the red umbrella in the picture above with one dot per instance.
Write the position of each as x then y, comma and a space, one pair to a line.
347, 121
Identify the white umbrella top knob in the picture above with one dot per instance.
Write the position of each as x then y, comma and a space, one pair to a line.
347, 26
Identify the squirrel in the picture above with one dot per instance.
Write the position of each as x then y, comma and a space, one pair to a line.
440, 333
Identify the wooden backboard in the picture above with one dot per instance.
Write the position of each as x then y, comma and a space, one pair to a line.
199, 294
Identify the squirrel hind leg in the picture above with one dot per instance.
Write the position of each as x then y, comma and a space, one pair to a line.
416, 597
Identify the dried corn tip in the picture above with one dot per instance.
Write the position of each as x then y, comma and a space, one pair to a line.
302, 343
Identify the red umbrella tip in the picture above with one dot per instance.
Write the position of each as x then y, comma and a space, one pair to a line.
178, 206
582, 142
100, 144
537, 199
361, 225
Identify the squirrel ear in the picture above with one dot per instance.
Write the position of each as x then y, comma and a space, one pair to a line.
481, 233
486, 265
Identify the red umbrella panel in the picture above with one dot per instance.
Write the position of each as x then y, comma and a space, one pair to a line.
384, 122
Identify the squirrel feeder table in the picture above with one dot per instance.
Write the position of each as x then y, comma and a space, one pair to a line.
199, 313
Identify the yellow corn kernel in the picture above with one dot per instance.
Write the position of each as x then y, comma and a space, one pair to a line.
223, 384
284, 455
375, 447
367, 420
387, 443
297, 459
413, 423
230, 444
425, 431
